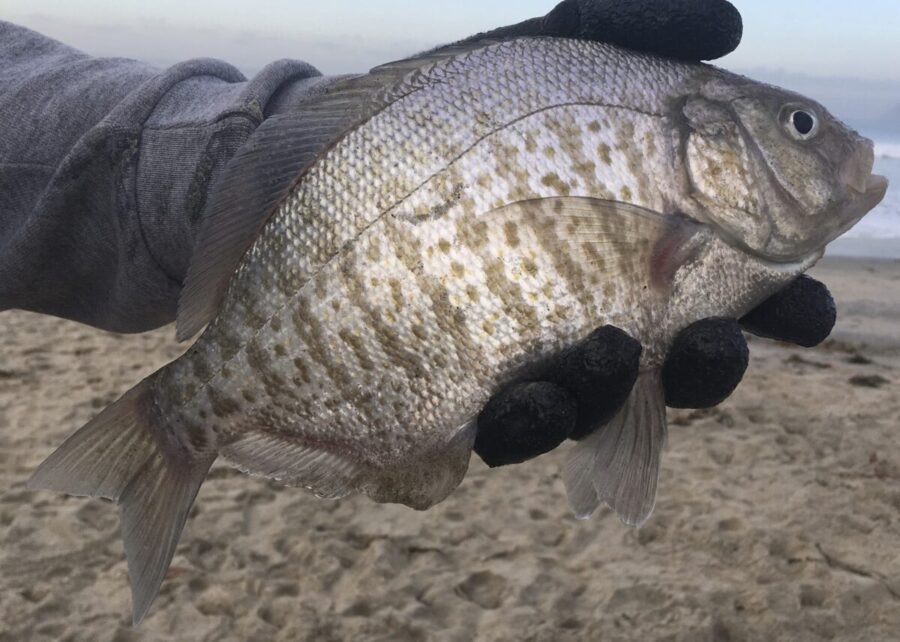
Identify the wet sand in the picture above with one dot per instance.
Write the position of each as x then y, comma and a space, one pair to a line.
778, 517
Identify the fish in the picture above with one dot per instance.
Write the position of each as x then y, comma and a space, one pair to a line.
375, 266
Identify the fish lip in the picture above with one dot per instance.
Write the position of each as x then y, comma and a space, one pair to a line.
875, 184
866, 199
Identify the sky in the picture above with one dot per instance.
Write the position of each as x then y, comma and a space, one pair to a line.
845, 54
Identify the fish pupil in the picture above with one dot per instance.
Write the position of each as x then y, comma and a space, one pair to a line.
803, 122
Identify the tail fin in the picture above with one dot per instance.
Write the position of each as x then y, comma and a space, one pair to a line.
125, 454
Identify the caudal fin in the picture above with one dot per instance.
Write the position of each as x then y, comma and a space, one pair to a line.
125, 454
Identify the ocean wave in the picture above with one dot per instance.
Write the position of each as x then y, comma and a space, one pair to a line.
887, 150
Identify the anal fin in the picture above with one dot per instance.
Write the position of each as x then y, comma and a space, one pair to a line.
618, 464
286, 459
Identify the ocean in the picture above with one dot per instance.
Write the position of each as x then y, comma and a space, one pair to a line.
878, 234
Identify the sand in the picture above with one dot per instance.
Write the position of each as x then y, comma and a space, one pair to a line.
778, 517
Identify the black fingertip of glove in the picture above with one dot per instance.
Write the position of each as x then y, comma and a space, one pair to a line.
686, 29
600, 373
524, 421
802, 313
705, 364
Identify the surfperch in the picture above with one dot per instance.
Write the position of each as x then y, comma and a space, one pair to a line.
376, 265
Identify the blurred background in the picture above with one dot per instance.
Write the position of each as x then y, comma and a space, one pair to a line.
841, 53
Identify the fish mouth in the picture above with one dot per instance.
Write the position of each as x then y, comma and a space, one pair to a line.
875, 188
865, 189
863, 199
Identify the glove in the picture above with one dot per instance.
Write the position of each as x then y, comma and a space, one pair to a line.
586, 386
685, 29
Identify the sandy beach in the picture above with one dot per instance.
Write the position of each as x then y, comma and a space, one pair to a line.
778, 517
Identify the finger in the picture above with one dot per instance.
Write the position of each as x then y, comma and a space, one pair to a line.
705, 364
523, 421
599, 373
685, 29
802, 313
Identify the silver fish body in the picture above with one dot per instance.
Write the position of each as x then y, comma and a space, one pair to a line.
492, 207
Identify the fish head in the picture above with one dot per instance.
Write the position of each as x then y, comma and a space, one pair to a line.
775, 173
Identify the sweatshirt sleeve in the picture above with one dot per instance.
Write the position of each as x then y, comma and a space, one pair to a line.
105, 166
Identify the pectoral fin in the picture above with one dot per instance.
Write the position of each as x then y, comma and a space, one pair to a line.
618, 464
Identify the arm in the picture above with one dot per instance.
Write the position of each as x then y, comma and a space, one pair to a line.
105, 166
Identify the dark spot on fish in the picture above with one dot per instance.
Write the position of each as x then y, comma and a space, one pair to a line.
603, 151
189, 390
554, 181
472, 293
549, 151
260, 361
359, 350
530, 267
511, 230
419, 332
275, 324
444, 245
510, 293
229, 343
397, 293
587, 170
458, 270
300, 364
248, 396
625, 194
196, 436
202, 371
221, 404
594, 126
319, 285
280, 350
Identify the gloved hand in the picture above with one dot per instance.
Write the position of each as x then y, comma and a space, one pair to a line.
586, 386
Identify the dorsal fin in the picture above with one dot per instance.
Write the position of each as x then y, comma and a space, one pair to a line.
270, 163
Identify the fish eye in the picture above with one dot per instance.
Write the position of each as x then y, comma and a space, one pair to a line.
802, 124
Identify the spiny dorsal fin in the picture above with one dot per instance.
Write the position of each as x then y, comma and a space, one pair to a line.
270, 163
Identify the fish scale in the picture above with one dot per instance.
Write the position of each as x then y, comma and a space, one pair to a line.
329, 219
374, 267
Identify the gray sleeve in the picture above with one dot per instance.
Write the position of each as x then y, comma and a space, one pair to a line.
105, 165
